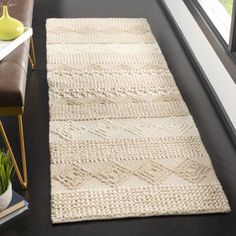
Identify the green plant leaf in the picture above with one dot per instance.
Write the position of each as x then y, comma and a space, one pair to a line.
6, 170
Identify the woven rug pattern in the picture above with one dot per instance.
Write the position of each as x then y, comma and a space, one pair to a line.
122, 141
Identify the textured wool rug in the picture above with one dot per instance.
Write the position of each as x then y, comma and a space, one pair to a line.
122, 141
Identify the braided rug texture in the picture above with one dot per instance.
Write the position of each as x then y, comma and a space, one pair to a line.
122, 141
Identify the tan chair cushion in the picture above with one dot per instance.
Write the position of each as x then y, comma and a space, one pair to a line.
13, 68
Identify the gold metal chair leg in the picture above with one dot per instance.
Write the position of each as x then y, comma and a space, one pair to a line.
32, 57
22, 146
32, 64
23, 181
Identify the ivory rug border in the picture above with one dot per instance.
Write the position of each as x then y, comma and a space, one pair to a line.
122, 141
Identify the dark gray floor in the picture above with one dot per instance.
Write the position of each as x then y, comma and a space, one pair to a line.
37, 220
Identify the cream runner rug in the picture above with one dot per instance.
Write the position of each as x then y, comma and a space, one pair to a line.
122, 141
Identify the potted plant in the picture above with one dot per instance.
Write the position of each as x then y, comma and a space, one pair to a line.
5, 183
